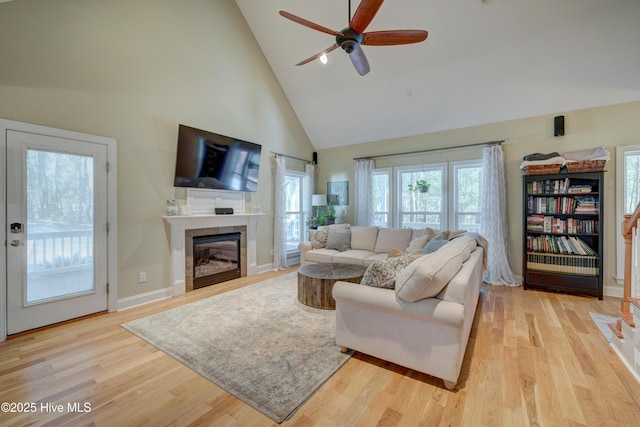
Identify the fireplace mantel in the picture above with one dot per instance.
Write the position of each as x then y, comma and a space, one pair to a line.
180, 223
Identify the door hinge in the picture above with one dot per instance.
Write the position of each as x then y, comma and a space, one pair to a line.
108, 166
107, 227
107, 288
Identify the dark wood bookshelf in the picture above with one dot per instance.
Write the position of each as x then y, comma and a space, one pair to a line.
563, 232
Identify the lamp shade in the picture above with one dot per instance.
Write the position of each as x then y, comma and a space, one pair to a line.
319, 200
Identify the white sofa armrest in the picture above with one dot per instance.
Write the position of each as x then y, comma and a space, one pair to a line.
304, 247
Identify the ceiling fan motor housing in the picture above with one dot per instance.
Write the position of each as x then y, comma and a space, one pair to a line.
349, 39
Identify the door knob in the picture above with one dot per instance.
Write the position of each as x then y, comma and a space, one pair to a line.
16, 243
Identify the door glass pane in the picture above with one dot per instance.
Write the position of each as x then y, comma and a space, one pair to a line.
59, 203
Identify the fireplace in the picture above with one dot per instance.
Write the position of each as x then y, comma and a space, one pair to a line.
216, 258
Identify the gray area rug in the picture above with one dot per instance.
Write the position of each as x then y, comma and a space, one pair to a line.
257, 342
601, 322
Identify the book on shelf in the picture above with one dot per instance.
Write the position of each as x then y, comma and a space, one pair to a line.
560, 263
579, 189
570, 245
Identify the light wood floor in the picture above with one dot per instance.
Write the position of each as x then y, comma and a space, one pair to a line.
534, 359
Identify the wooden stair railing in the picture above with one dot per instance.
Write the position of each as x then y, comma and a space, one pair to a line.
630, 222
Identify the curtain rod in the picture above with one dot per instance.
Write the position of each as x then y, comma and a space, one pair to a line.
290, 157
429, 150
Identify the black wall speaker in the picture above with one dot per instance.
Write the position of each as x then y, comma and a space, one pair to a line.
315, 157
558, 126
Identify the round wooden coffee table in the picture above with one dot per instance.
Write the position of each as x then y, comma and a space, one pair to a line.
315, 282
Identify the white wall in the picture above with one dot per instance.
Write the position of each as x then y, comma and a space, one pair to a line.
134, 70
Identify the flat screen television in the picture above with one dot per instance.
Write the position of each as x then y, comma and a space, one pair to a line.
209, 160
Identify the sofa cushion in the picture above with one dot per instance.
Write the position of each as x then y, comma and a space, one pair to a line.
318, 238
421, 232
363, 237
392, 238
466, 244
374, 257
382, 273
428, 275
339, 239
418, 243
321, 255
352, 256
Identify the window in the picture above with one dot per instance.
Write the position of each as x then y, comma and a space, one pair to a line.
294, 215
421, 209
382, 197
467, 178
451, 203
627, 196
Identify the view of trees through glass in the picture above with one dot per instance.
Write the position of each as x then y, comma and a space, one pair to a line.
59, 192
632, 180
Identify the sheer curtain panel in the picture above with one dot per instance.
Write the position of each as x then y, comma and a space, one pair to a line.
279, 208
307, 192
364, 191
494, 224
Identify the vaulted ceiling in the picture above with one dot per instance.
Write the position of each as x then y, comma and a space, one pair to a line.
484, 61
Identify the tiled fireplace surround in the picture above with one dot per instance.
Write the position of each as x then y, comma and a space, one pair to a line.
184, 228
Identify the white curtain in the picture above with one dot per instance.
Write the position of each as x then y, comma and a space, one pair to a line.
494, 225
307, 192
279, 226
364, 191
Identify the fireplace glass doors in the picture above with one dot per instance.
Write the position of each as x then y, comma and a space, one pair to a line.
216, 259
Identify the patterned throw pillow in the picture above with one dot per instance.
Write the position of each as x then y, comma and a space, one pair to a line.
319, 239
382, 273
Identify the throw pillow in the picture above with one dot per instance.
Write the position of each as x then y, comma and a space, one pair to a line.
339, 239
395, 253
427, 276
383, 273
319, 239
436, 243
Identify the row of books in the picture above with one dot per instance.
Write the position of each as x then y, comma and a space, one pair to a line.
586, 205
550, 224
559, 245
558, 263
557, 186
562, 205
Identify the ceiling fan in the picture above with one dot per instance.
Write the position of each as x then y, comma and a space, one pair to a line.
351, 38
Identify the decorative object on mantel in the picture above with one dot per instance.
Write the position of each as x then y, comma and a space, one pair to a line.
338, 192
282, 351
172, 207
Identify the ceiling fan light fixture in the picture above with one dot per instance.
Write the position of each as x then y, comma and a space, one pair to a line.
323, 59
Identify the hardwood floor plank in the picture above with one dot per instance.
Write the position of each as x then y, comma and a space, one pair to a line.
533, 358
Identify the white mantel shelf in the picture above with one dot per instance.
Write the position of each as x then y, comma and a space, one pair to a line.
180, 223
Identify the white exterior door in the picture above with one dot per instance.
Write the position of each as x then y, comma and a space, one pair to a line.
56, 229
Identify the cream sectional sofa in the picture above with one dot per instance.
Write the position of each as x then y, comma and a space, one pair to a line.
367, 244
424, 322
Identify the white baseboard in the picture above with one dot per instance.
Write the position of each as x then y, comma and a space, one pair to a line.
146, 298
614, 291
160, 294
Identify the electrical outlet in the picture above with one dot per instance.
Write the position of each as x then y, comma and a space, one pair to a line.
142, 277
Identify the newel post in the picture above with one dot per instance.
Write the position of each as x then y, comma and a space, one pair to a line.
627, 233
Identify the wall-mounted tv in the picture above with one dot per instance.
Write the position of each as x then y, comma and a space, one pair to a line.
209, 160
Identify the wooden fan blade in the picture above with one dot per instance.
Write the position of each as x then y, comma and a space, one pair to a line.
364, 14
318, 55
359, 60
309, 24
393, 37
